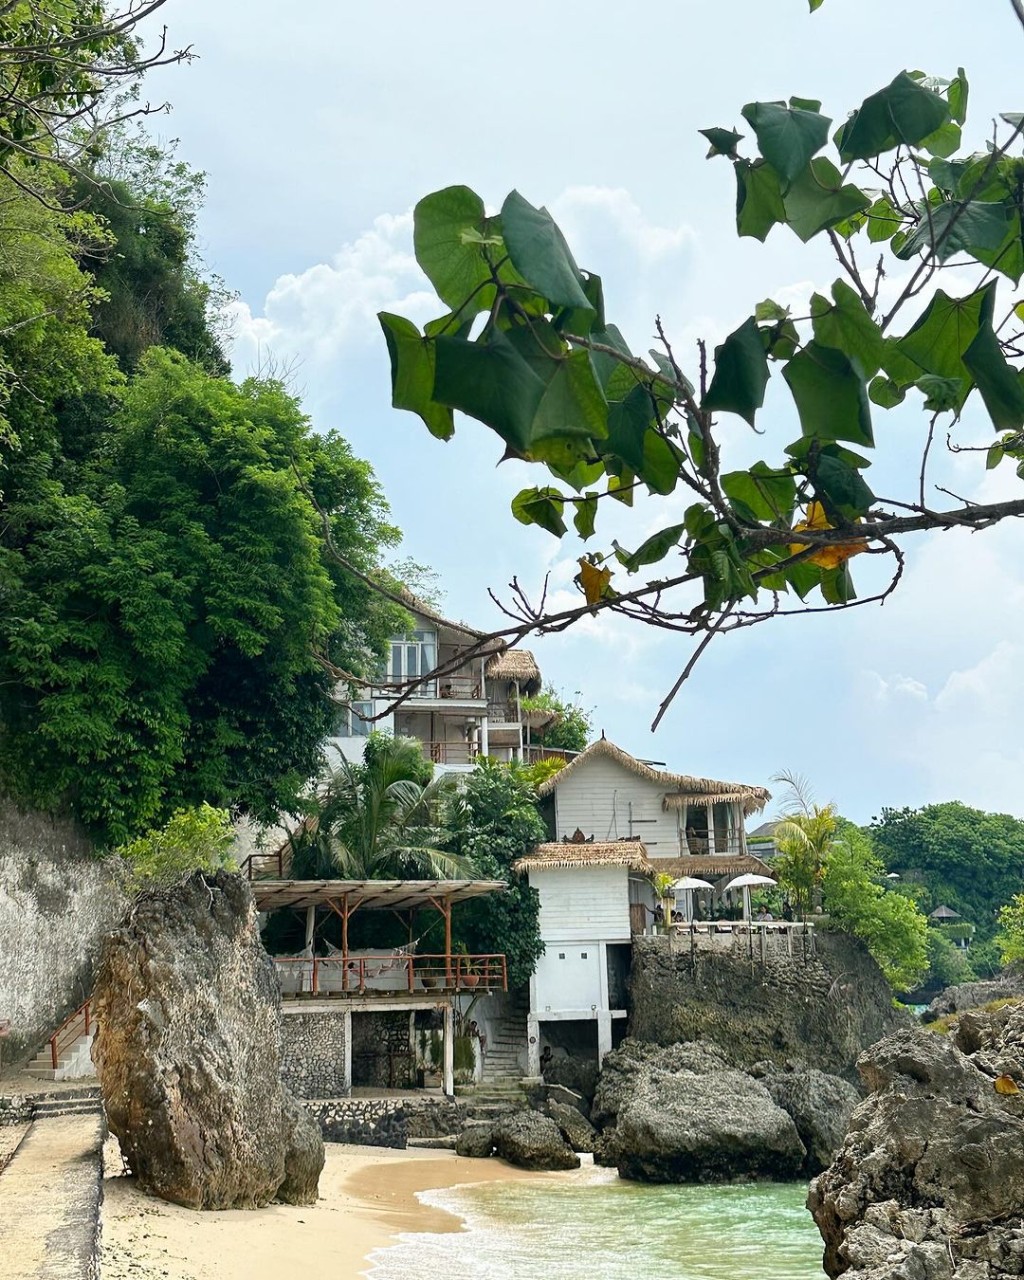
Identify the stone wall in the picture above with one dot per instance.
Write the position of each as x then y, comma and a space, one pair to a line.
382, 1054
824, 1008
388, 1122
313, 1054
57, 902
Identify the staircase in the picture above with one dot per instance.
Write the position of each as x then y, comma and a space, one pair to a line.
69, 1102
67, 1055
502, 1068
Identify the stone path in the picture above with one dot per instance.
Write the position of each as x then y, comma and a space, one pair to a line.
50, 1197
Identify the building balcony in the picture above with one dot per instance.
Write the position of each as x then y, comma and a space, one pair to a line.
389, 974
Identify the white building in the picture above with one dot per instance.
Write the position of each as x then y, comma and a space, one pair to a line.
618, 822
475, 709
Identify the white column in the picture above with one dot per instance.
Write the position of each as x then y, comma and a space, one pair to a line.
711, 828
449, 1051
310, 926
532, 1046
604, 1035
347, 1015
604, 999
484, 741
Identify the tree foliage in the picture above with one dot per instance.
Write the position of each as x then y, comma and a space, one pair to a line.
967, 859
857, 900
191, 840
571, 727
494, 822
803, 835
525, 346
1010, 938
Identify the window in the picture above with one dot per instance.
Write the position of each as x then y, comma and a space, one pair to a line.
349, 722
414, 656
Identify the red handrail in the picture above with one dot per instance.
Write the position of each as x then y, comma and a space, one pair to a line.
349, 974
74, 1025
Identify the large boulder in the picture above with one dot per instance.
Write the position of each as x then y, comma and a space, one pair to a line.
574, 1127
930, 1179
820, 1105
972, 995
188, 1051
533, 1141
682, 1114
476, 1140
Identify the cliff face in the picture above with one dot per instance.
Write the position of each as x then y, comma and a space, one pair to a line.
824, 1008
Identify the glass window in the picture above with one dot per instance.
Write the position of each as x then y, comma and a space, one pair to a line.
361, 727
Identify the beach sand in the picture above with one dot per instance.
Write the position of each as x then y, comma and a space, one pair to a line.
367, 1197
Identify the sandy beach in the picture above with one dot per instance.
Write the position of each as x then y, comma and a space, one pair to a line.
367, 1197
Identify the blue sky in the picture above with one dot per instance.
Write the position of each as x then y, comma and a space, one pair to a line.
320, 129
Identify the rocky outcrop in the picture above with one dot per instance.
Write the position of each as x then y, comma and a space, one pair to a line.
972, 995
574, 1127
823, 1005
820, 1106
683, 1114
532, 1141
189, 1053
476, 1140
929, 1182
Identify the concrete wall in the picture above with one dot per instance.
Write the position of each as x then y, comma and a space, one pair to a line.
582, 903
56, 903
313, 1054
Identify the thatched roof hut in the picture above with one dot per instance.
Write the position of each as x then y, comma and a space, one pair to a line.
681, 789
519, 665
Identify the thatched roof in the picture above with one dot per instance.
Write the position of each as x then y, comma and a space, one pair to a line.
516, 664
711, 866
681, 789
567, 853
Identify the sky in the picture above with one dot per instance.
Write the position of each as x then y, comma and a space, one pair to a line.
320, 126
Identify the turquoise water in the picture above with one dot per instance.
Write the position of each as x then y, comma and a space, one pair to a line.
591, 1225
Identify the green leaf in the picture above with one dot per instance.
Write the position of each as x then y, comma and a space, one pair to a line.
770, 310
656, 548
767, 493
492, 383
815, 4
741, 373
994, 456
448, 239
837, 585
540, 254
953, 227
830, 395
941, 394
818, 199
628, 421
883, 220
1008, 257
998, 382
723, 142
944, 141
543, 507
841, 488
585, 516
661, 464
848, 327
412, 374
781, 340
759, 203
903, 111
936, 342
787, 137
886, 393
956, 96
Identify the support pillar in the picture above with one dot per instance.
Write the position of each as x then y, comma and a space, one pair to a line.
412, 1044
532, 1046
604, 1035
310, 927
347, 1016
449, 1050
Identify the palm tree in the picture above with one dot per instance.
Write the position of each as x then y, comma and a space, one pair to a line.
379, 820
804, 834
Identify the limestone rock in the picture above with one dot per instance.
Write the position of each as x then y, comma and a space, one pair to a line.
476, 1140
820, 1105
575, 1128
683, 1115
188, 1053
930, 1179
533, 1141
972, 995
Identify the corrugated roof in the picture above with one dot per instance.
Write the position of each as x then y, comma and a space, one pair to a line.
686, 788
567, 853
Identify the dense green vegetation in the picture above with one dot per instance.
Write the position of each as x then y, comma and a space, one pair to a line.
571, 727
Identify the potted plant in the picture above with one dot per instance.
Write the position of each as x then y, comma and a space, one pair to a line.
467, 973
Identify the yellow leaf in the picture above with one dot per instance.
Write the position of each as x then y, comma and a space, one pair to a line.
831, 556
593, 579
1018, 311
1005, 1085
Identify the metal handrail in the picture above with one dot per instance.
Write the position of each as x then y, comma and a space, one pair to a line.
248, 868
348, 975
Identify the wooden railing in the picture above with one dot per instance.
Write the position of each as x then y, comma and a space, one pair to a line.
75, 1025
390, 974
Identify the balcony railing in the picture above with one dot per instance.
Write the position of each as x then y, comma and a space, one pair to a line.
467, 688
389, 974
454, 752
502, 713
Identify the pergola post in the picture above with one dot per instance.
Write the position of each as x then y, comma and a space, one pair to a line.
310, 926
445, 908
449, 1050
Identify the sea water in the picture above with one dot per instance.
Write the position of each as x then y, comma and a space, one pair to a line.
592, 1225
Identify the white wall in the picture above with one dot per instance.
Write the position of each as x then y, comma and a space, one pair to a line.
582, 903
609, 802
568, 976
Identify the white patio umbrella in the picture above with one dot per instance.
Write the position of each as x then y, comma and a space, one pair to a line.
746, 882
686, 885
